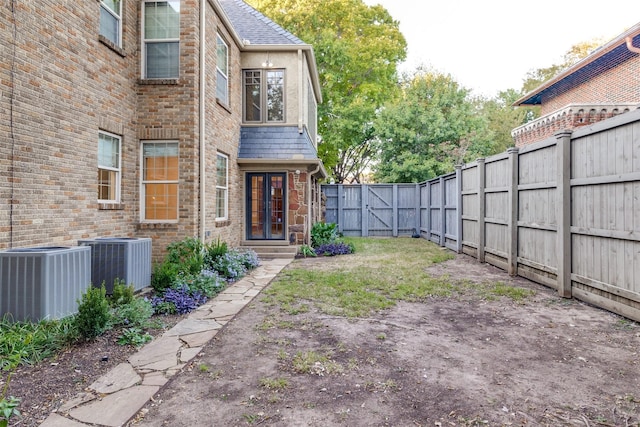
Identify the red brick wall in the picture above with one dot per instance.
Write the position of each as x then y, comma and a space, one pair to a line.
617, 85
67, 86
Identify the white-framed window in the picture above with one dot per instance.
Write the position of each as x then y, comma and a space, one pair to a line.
222, 187
111, 20
161, 39
160, 177
222, 70
263, 98
109, 149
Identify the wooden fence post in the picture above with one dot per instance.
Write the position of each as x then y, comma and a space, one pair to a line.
417, 222
481, 209
364, 230
512, 221
394, 215
459, 208
428, 210
340, 204
443, 212
563, 205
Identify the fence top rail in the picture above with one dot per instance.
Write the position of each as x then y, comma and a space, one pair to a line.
540, 145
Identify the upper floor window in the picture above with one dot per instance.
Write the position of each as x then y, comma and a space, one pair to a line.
111, 20
222, 71
263, 96
159, 181
161, 39
108, 168
222, 187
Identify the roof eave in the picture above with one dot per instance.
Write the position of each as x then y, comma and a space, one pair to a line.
608, 47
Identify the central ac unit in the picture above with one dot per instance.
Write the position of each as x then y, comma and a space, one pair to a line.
120, 258
44, 282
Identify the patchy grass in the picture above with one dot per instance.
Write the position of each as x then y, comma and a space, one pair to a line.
274, 383
380, 273
314, 363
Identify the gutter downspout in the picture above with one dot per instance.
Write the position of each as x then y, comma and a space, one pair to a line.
630, 45
201, 123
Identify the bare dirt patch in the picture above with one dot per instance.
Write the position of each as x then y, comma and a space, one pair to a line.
463, 360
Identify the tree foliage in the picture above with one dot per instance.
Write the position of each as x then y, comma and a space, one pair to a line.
535, 78
357, 50
429, 129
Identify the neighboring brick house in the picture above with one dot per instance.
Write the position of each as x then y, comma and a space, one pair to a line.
160, 119
602, 85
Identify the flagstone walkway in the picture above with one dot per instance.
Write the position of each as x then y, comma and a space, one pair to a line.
115, 398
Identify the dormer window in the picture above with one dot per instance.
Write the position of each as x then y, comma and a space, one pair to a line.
263, 96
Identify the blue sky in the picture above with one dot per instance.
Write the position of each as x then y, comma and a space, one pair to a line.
489, 45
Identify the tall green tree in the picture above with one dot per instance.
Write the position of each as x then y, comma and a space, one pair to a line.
430, 128
358, 48
501, 118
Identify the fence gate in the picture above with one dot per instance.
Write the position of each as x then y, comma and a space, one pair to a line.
373, 210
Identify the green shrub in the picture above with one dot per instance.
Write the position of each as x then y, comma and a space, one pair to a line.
164, 275
187, 254
135, 313
213, 251
134, 336
93, 313
122, 294
208, 283
324, 233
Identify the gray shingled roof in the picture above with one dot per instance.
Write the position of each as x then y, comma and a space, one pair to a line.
284, 143
253, 26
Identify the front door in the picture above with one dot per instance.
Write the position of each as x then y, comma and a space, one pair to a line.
266, 203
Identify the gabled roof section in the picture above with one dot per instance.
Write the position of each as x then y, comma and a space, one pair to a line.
602, 59
275, 143
254, 28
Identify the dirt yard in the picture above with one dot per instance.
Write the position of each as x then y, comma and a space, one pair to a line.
454, 361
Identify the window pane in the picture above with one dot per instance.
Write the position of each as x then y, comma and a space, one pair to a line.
275, 96
222, 87
222, 56
221, 167
108, 151
160, 180
162, 20
221, 203
163, 60
252, 99
161, 201
107, 182
109, 25
113, 5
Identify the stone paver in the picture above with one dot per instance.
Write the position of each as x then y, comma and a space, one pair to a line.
129, 386
115, 409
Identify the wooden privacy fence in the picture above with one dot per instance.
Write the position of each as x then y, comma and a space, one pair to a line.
564, 212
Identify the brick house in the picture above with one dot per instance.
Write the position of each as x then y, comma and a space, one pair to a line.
602, 85
160, 119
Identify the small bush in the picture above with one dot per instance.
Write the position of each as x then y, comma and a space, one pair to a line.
187, 254
183, 300
208, 283
213, 251
93, 313
134, 336
122, 294
231, 265
323, 233
135, 313
331, 249
164, 275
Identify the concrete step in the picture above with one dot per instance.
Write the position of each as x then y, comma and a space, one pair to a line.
268, 250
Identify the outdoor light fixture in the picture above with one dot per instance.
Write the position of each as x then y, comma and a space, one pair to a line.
267, 63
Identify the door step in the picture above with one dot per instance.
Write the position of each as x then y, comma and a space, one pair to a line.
269, 250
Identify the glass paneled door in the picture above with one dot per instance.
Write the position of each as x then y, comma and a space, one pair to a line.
266, 206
